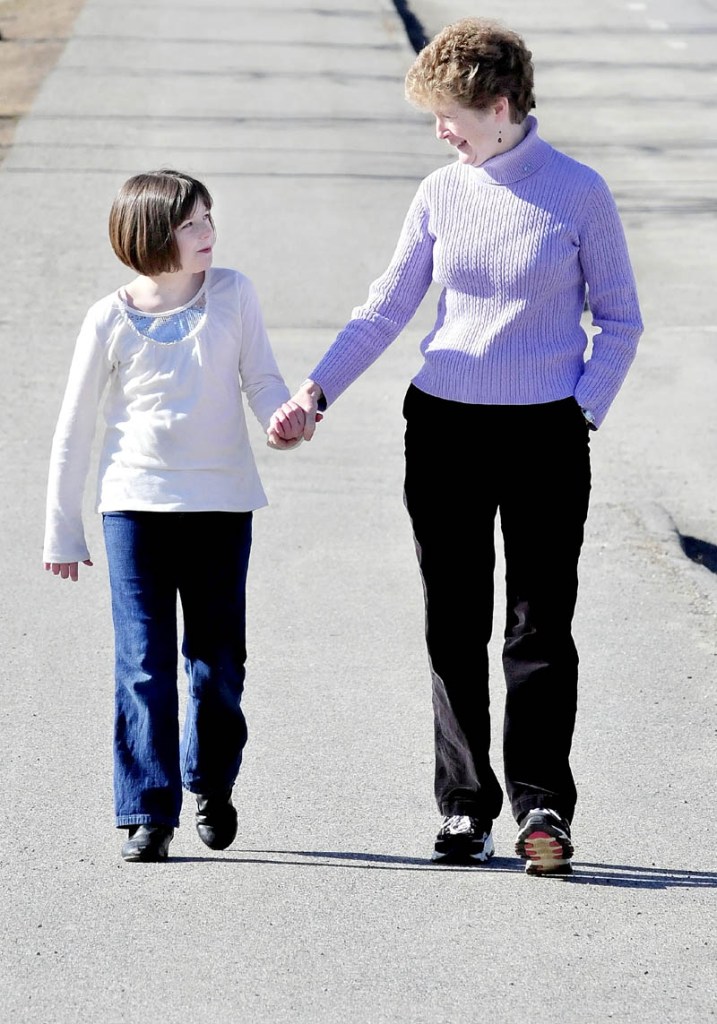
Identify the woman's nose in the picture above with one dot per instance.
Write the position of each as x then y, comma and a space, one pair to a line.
440, 129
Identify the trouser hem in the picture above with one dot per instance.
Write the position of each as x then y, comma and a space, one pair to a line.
523, 808
449, 810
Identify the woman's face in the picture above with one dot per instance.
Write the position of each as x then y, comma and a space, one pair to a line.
473, 133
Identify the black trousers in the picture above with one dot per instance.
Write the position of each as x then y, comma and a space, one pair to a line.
464, 463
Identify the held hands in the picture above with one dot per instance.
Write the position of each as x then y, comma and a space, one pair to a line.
296, 419
66, 570
286, 427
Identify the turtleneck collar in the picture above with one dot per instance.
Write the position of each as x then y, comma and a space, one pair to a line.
519, 162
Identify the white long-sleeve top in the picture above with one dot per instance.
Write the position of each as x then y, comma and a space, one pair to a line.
175, 437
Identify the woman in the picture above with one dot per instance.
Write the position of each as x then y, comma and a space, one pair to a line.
497, 419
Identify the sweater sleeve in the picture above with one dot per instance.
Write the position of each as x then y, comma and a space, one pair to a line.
612, 296
72, 444
392, 301
261, 380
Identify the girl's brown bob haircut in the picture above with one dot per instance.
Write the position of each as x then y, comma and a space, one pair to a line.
144, 215
474, 62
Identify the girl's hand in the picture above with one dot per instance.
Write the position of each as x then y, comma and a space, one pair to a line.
274, 441
298, 417
66, 570
287, 423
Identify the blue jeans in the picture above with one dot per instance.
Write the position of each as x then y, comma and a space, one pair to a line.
154, 556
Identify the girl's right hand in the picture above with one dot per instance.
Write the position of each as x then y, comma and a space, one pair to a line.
286, 427
66, 570
298, 417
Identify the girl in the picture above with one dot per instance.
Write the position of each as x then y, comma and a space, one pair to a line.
177, 488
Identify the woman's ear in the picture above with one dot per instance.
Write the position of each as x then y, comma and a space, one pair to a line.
501, 107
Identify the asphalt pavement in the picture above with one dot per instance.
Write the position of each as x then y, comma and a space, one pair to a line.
327, 907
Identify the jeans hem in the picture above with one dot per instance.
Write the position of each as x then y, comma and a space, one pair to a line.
205, 789
128, 820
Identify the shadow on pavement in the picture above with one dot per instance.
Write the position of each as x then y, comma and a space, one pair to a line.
623, 876
700, 551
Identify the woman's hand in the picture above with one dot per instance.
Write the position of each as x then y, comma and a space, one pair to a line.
66, 570
307, 399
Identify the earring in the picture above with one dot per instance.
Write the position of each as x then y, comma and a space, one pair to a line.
500, 136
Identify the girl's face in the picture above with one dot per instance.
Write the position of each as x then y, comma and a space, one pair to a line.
195, 239
473, 133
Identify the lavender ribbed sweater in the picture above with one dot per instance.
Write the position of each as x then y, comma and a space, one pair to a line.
513, 244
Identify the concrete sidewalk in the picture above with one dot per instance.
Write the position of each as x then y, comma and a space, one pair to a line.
327, 907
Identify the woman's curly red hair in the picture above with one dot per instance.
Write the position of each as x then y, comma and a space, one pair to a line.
474, 61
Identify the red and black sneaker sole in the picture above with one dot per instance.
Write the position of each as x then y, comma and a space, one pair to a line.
545, 854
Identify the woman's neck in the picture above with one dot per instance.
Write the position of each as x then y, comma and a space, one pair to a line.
163, 292
512, 135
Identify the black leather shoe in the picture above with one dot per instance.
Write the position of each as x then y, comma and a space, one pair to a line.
148, 843
216, 819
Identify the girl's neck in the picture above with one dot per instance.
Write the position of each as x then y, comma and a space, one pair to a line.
162, 292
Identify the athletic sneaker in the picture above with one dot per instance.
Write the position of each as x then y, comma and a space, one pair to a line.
464, 840
544, 843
